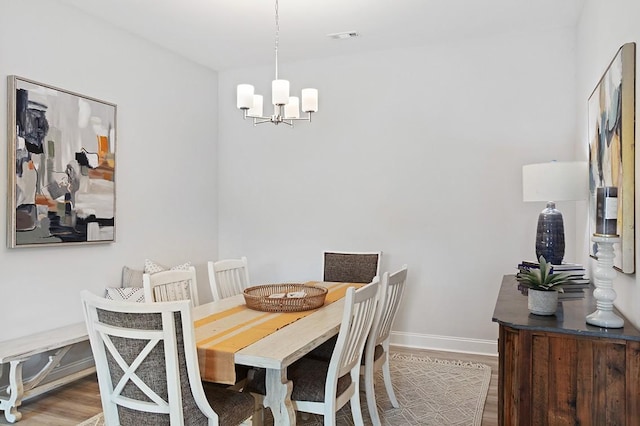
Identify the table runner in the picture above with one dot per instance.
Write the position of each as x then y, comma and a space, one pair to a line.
219, 336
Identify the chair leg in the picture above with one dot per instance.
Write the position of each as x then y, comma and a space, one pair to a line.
330, 420
356, 410
329, 414
258, 412
370, 393
386, 373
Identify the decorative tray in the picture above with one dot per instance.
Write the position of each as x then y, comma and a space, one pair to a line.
291, 297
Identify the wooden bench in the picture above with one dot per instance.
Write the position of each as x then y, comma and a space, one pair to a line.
17, 351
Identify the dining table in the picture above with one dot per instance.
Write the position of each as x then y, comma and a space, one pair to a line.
229, 333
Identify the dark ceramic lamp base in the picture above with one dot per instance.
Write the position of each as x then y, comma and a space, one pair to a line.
550, 235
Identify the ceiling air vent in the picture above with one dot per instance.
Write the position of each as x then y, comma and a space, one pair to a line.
343, 35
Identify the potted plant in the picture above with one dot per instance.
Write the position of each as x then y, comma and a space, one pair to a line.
543, 287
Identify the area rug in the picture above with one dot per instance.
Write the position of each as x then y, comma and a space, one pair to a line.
430, 392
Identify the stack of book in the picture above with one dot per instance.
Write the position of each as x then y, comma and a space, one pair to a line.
577, 284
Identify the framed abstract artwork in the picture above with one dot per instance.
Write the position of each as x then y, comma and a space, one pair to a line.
612, 156
61, 167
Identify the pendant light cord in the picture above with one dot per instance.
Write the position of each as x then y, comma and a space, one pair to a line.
277, 37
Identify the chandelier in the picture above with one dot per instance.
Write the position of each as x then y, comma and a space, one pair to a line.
286, 109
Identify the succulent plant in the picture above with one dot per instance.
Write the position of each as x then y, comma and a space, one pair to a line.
543, 278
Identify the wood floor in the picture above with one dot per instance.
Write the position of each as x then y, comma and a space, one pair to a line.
80, 400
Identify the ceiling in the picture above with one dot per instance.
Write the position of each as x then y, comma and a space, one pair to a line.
225, 34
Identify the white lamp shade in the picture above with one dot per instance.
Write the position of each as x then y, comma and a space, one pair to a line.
256, 109
292, 108
309, 100
555, 181
279, 92
245, 96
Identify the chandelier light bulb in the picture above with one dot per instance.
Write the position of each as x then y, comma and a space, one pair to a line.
256, 109
310, 100
292, 108
280, 92
245, 96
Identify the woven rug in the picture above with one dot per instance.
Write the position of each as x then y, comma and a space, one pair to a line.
430, 392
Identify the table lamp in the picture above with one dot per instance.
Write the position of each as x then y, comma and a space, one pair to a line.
551, 182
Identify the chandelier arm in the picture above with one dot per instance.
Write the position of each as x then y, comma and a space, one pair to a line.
308, 118
276, 118
246, 115
261, 120
276, 121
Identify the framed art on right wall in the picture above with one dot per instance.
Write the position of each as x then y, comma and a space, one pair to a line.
612, 153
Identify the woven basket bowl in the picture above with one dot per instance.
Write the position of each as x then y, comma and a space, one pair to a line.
257, 297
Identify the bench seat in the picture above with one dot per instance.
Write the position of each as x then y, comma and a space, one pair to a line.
16, 352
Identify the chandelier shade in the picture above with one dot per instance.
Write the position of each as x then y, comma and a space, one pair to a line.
286, 109
245, 96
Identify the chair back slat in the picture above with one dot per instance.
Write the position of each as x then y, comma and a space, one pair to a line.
391, 291
172, 285
351, 267
228, 277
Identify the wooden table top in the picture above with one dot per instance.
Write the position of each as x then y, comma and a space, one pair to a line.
288, 344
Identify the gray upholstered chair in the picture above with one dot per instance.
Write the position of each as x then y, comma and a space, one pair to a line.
351, 267
322, 387
147, 367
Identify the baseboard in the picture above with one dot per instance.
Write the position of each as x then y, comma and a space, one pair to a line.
445, 343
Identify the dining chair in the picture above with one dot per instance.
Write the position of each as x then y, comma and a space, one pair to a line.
147, 366
376, 353
322, 387
171, 285
351, 267
228, 277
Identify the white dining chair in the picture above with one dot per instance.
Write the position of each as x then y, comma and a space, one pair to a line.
376, 353
351, 267
171, 285
147, 366
322, 387
228, 277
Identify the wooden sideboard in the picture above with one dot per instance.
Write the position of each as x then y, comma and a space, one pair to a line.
559, 370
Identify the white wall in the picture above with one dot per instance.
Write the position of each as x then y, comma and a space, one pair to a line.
166, 170
415, 152
604, 27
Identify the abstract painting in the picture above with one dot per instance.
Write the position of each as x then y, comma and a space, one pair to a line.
61, 159
611, 151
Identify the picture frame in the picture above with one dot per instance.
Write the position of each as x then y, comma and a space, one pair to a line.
61, 166
611, 124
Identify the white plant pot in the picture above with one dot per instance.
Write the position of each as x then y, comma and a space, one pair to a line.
542, 302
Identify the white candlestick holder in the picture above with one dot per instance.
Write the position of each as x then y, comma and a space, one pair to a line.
604, 293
